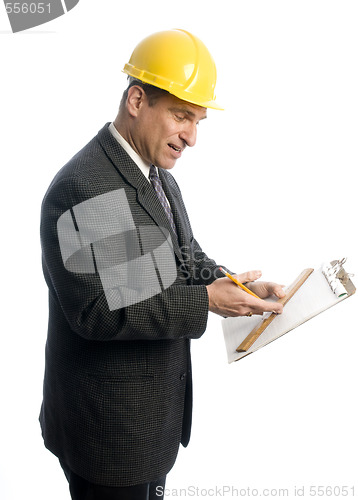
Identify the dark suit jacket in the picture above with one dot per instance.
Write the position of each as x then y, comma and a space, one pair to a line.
117, 386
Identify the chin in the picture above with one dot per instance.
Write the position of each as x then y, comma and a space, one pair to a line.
167, 166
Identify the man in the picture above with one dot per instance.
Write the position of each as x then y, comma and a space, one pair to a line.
129, 285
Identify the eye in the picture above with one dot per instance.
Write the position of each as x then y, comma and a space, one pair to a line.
179, 117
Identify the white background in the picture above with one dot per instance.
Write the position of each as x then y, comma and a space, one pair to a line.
270, 185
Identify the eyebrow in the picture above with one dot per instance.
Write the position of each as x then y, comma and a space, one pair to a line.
186, 111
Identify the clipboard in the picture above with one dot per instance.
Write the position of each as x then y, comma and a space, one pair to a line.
313, 292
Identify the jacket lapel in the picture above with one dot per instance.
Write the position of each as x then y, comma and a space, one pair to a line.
146, 194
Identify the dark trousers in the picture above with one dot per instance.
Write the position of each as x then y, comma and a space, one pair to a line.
81, 489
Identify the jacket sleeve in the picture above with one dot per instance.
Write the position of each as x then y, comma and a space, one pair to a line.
179, 311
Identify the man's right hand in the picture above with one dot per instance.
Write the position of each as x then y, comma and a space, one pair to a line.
228, 300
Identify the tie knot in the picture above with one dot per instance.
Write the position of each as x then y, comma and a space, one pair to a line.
153, 173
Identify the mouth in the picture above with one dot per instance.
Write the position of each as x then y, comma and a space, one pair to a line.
177, 149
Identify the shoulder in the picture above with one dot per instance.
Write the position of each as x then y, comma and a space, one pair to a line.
85, 164
89, 173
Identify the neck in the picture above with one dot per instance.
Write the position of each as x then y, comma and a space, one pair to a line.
123, 128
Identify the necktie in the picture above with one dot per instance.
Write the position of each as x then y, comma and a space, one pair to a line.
157, 184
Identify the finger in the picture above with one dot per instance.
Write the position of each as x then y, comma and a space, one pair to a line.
272, 289
261, 306
274, 307
248, 276
278, 291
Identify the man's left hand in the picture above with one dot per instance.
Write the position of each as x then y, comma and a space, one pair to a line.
265, 289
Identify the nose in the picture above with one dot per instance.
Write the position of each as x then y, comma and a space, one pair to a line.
188, 134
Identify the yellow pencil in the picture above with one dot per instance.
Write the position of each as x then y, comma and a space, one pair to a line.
238, 283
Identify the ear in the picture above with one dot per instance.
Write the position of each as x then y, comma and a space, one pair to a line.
135, 100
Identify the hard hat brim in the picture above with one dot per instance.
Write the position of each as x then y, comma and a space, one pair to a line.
184, 96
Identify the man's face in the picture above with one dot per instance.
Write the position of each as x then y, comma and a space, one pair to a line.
163, 130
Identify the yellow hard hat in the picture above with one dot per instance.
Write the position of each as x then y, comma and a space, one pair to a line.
176, 61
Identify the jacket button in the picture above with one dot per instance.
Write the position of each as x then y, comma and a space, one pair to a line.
182, 376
